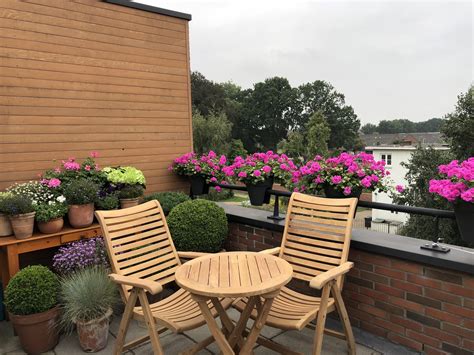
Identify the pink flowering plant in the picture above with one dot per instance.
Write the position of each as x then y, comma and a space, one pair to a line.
259, 167
346, 173
207, 165
457, 181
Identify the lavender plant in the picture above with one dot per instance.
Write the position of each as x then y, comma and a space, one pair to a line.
79, 255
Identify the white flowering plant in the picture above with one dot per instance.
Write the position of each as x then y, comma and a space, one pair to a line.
37, 192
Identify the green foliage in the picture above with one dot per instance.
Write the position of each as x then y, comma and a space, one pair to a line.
87, 294
212, 132
48, 212
423, 166
81, 192
131, 191
107, 202
294, 145
15, 205
33, 289
34, 190
207, 96
236, 149
168, 200
214, 195
198, 225
317, 136
127, 175
404, 126
459, 127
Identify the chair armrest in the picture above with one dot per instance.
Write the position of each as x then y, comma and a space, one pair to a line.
322, 279
151, 286
190, 254
272, 251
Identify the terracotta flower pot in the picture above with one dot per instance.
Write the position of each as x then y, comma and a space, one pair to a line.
22, 225
128, 202
52, 226
81, 216
38, 332
93, 335
5, 226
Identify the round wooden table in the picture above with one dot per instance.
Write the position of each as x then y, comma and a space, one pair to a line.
234, 275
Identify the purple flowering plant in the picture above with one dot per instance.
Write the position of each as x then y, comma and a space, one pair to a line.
456, 182
80, 254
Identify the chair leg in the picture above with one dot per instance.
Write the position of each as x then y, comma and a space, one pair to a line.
321, 320
124, 323
341, 310
150, 322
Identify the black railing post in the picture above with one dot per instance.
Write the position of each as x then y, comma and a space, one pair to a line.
276, 210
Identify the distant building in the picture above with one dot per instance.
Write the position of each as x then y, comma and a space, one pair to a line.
395, 149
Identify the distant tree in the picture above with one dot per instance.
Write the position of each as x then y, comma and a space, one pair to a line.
294, 145
369, 128
431, 125
317, 135
211, 133
459, 127
423, 166
343, 122
268, 113
237, 149
207, 96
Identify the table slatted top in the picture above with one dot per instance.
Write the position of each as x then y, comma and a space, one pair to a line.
234, 274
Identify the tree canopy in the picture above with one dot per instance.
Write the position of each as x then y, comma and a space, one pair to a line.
403, 126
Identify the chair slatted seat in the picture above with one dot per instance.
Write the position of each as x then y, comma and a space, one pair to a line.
144, 259
316, 243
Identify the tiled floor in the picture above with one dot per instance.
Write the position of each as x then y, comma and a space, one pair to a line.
173, 344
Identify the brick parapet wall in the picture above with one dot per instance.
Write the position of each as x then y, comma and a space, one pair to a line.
422, 307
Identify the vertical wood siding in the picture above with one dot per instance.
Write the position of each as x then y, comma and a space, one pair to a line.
83, 75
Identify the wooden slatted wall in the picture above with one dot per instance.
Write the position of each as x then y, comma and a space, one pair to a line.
84, 75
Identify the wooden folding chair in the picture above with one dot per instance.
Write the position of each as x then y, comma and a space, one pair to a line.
316, 243
144, 259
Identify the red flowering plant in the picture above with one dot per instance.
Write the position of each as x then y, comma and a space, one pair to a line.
70, 170
259, 167
207, 165
346, 173
458, 182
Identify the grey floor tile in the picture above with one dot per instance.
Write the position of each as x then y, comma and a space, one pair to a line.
8, 342
172, 344
69, 345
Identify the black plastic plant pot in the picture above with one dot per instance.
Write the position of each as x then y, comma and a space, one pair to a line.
332, 192
199, 185
258, 193
464, 212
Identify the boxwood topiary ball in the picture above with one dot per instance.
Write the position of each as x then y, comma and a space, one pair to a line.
168, 200
33, 289
198, 225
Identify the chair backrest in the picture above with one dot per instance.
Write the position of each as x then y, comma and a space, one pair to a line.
317, 234
139, 243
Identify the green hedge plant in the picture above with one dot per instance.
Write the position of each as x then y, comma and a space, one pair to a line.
13, 205
108, 202
81, 192
131, 191
198, 225
168, 200
34, 289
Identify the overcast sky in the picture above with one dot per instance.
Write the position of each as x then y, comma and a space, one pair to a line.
391, 59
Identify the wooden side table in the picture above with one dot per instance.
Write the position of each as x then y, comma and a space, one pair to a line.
11, 248
235, 274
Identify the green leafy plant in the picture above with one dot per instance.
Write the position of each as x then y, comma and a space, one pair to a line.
81, 192
168, 200
198, 225
37, 192
131, 191
127, 175
85, 295
108, 202
48, 212
33, 289
16, 204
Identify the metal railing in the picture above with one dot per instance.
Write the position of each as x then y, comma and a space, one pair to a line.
432, 212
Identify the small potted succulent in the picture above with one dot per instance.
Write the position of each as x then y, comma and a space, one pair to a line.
5, 225
88, 297
49, 217
31, 299
21, 212
107, 202
80, 195
457, 186
129, 181
200, 170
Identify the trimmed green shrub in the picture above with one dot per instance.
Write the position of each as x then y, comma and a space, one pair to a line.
198, 225
131, 191
108, 202
34, 289
16, 204
168, 200
81, 192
